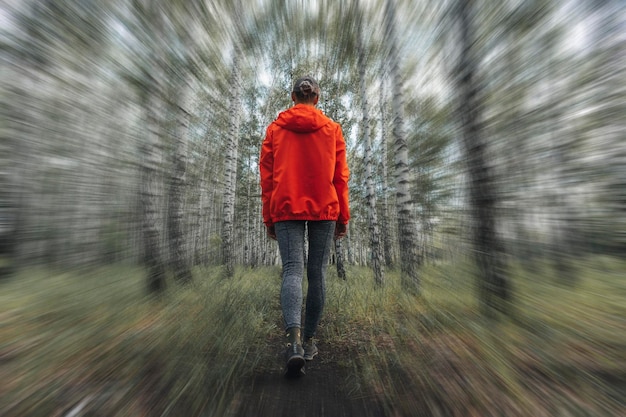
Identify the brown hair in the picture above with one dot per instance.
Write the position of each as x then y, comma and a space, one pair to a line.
306, 89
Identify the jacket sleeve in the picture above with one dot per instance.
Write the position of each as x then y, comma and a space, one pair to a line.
266, 166
342, 175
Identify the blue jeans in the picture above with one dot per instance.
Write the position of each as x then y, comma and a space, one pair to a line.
290, 236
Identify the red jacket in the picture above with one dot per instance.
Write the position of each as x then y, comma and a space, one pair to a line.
304, 173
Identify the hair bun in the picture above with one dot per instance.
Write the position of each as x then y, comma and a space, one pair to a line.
306, 87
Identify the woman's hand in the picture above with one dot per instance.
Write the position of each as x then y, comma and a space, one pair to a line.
340, 230
271, 231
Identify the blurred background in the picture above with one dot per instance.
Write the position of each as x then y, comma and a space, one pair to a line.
99, 97
131, 131
102, 101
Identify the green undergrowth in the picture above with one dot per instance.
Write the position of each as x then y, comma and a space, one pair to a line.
94, 342
561, 351
69, 338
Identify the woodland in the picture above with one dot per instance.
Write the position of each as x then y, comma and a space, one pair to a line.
483, 270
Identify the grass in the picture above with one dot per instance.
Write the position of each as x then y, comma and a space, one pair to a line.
72, 341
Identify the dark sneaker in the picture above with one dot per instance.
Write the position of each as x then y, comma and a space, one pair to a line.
310, 349
295, 359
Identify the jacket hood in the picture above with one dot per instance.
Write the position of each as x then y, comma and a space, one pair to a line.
302, 118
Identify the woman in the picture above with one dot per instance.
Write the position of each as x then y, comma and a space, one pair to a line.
304, 183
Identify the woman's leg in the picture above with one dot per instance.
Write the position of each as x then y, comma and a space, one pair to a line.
290, 237
320, 240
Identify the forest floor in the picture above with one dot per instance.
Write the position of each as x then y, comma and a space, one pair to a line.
326, 389
90, 343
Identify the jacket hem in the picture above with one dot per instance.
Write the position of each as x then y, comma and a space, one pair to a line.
306, 218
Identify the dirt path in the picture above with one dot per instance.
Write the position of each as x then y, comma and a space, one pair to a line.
325, 390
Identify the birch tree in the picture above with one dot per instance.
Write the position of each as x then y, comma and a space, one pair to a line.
175, 219
407, 230
387, 229
370, 197
149, 83
181, 100
493, 284
230, 168
150, 195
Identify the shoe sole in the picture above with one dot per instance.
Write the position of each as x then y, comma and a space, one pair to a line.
310, 357
295, 366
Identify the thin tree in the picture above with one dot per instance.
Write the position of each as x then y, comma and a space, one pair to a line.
386, 227
230, 171
370, 197
150, 89
407, 229
493, 284
181, 101
339, 259
175, 219
150, 195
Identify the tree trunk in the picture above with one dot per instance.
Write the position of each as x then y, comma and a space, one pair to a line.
407, 231
150, 197
386, 226
372, 219
493, 285
341, 269
179, 261
230, 177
